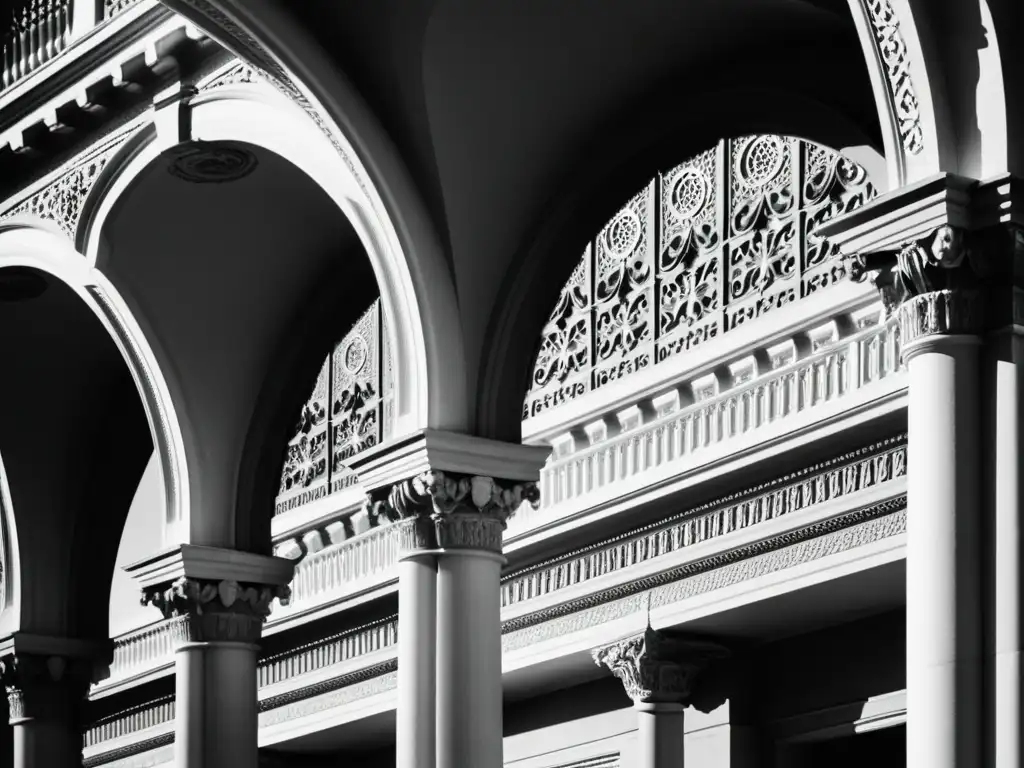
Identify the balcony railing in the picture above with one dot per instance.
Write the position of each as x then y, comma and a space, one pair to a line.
39, 32
41, 29
829, 374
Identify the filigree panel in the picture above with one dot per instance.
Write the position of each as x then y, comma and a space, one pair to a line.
344, 415
624, 291
719, 240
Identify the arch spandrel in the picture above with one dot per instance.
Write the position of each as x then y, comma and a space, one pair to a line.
718, 241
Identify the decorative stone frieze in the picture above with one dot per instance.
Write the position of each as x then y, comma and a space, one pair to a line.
892, 52
452, 511
658, 667
52, 687
217, 611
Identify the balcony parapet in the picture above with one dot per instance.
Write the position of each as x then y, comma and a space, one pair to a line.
143, 651
766, 387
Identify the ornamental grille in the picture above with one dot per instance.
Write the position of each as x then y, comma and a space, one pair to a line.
719, 240
349, 411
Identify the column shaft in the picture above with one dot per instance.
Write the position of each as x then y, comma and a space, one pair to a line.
1005, 445
47, 743
417, 608
216, 717
660, 735
944, 611
469, 698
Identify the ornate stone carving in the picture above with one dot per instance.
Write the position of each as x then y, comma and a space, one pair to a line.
658, 667
343, 416
223, 611
680, 264
45, 686
211, 162
62, 200
935, 283
892, 51
464, 512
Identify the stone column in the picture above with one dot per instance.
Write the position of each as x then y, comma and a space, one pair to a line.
440, 487
658, 671
409, 504
932, 283
46, 696
216, 705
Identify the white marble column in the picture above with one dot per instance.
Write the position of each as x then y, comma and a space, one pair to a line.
46, 697
944, 569
1006, 454
417, 628
659, 671
224, 596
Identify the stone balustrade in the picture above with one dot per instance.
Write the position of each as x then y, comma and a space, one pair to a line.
144, 650
343, 569
41, 29
765, 389
130, 722
336, 649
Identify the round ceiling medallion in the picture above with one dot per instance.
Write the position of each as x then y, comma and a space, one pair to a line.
623, 233
21, 284
762, 160
355, 355
208, 162
689, 192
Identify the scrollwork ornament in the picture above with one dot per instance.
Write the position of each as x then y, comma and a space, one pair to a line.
217, 611
657, 667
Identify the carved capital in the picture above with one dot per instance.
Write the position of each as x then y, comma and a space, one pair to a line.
935, 284
658, 667
217, 611
47, 687
449, 510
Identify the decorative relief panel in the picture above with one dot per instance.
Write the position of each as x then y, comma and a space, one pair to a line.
345, 414
717, 241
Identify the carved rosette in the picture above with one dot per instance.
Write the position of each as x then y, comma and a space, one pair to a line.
217, 611
658, 667
50, 687
450, 511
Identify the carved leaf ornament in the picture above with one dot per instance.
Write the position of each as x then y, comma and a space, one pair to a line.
721, 239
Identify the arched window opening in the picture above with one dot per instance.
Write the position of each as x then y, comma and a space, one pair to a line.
717, 241
349, 410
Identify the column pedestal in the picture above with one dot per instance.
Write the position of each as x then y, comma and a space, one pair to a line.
216, 711
660, 736
417, 608
469, 697
944, 599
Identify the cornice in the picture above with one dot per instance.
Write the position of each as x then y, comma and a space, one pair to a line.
191, 561
402, 458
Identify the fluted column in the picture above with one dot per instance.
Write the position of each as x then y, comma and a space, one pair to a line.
225, 597
659, 671
46, 691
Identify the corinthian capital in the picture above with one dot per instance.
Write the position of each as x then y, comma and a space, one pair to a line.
216, 611
464, 511
47, 686
658, 667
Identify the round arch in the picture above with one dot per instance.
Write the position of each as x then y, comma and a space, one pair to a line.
255, 113
36, 245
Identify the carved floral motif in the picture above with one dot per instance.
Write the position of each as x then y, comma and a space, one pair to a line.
343, 416
466, 512
62, 201
892, 50
658, 667
223, 611
678, 266
39, 685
